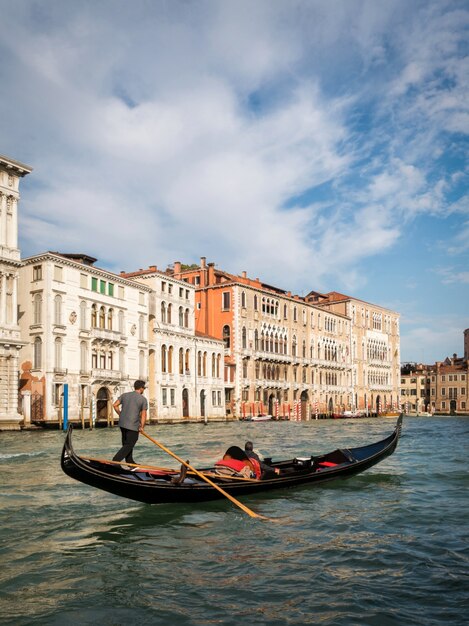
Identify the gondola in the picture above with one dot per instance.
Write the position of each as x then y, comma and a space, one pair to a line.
157, 485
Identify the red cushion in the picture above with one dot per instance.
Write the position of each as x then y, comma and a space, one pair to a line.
327, 464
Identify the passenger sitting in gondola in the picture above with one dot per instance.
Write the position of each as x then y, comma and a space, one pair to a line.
236, 461
266, 470
239, 462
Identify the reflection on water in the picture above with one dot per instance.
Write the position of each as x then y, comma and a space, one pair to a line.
369, 550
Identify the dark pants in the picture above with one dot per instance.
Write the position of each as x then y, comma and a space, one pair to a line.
129, 439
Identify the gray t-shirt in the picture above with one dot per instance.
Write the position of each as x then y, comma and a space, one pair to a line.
132, 404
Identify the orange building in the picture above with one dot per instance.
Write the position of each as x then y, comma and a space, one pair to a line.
283, 356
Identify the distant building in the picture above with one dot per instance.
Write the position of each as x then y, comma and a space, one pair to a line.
375, 345
83, 327
11, 173
185, 366
283, 356
441, 388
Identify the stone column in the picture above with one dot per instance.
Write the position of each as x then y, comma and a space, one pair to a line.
26, 396
3, 298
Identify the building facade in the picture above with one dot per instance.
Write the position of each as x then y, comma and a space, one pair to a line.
185, 366
283, 356
11, 172
441, 388
85, 333
375, 347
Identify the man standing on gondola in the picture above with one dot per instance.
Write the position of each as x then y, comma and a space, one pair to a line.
132, 410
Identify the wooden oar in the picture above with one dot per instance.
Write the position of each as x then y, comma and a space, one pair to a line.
203, 477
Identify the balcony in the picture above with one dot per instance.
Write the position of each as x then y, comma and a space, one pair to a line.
106, 375
103, 334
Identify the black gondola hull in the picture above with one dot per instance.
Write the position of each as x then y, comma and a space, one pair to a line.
143, 487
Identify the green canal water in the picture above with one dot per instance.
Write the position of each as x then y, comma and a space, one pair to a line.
388, 547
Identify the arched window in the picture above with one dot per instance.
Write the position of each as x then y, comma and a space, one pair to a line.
244, 337
163, 358
37, 304
83, 315
304, 349
83, 356
218, 365
204, 371
37, 353
102, 318
163, 312
181, 360
227, 336
110, 316
243, 299
170, 359
181, 316
121, 322
187, 361
199, 363
58, 310
256, 303
293, 346
186, 318
256, 340
58, 353
141, 363
170, 312
213, 365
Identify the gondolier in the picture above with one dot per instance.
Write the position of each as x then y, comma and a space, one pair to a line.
132, 410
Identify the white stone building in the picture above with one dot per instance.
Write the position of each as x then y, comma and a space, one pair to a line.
10, 343
185, 367
83, 327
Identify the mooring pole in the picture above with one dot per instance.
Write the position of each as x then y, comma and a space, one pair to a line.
65, 421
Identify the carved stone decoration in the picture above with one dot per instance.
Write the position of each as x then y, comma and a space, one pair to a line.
73, 317
133, 329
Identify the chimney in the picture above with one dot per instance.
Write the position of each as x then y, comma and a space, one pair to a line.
244, 274
203, 262
211, 273
153, 268
177, 267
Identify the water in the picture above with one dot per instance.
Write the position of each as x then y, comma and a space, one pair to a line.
388, 547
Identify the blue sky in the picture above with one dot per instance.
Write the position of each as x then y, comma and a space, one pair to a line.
317, 145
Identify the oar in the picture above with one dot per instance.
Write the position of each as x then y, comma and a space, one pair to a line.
203, 477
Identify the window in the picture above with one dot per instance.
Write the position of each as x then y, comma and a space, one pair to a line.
94, 283
83, 281
170, 310
227, 336
37, 272
243, 299
163, 312
121, 292
102, 286
37, 353
172, 393
163, 358
121, 322
94, 316
170, 288
83, 356
141, 298
181, 360
226, 300
181, 316
102, 318
186, 318
256, 303
58, 353
244, 338
164, 396
82, 315
110, 317
170, 359
110, 289
58, 310
187, 362
37, 309
163, 286
58, 273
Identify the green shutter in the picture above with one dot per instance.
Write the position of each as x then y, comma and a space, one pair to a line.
94, 284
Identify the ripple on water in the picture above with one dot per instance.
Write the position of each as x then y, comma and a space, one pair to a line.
388, 547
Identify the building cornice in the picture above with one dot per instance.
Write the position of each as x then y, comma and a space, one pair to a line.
49, 256
20, 169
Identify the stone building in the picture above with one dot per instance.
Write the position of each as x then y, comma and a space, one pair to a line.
85, 333
185, 366
441, 388
283, 356
375, 345
11, 173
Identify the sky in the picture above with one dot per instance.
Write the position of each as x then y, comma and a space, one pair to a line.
318, 145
